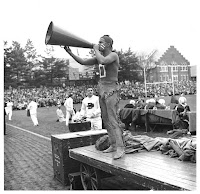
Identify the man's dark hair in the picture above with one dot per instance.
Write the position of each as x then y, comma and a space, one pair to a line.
108, 39
70, 95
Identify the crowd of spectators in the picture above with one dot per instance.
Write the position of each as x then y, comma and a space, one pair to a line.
128, 90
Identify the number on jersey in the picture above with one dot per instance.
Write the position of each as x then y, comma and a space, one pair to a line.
102, 71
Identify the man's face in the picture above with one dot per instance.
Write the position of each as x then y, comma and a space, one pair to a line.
102, 44
89, 92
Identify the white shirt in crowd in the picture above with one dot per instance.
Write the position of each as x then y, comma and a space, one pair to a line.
69, 109
32, 107
9, 106
60, 115
8, 109
90, 107
69, 104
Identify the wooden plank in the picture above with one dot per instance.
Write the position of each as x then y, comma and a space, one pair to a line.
166, 161
80, 133
159, 169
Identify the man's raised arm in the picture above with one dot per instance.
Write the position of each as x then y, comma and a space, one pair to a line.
91, 61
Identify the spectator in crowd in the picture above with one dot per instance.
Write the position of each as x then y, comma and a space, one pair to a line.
140, 104
32, 106
161, 104
91, 110
182, 109
182, 104
60, 115
173, 102
181, 123
9, 109
131, 104
69, 108
150, 104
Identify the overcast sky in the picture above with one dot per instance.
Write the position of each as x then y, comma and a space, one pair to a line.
142, 25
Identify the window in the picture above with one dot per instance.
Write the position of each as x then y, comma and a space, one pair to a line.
164, 69
175, 68
175, 77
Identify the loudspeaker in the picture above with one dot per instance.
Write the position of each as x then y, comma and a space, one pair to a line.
58, 36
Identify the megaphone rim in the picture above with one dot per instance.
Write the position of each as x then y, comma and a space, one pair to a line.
49, 33
59, 36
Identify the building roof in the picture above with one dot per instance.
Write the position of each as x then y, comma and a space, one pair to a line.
171, 53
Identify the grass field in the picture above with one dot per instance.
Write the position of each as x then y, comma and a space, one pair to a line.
47, 118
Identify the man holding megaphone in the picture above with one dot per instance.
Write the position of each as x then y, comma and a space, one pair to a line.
108, 90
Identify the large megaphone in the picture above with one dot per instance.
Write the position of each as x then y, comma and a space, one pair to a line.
58, 36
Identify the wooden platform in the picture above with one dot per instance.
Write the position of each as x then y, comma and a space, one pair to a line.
149, 169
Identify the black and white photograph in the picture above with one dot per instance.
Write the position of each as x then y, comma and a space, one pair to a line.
99, 95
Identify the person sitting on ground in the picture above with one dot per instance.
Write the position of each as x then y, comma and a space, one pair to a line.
60, 114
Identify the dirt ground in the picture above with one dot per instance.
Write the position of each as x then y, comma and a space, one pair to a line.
28, 165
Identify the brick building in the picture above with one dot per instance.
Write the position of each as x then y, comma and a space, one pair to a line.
172, 62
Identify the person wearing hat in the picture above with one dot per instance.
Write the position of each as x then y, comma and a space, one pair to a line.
108, 89
182, 107
32, 106
60, 114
